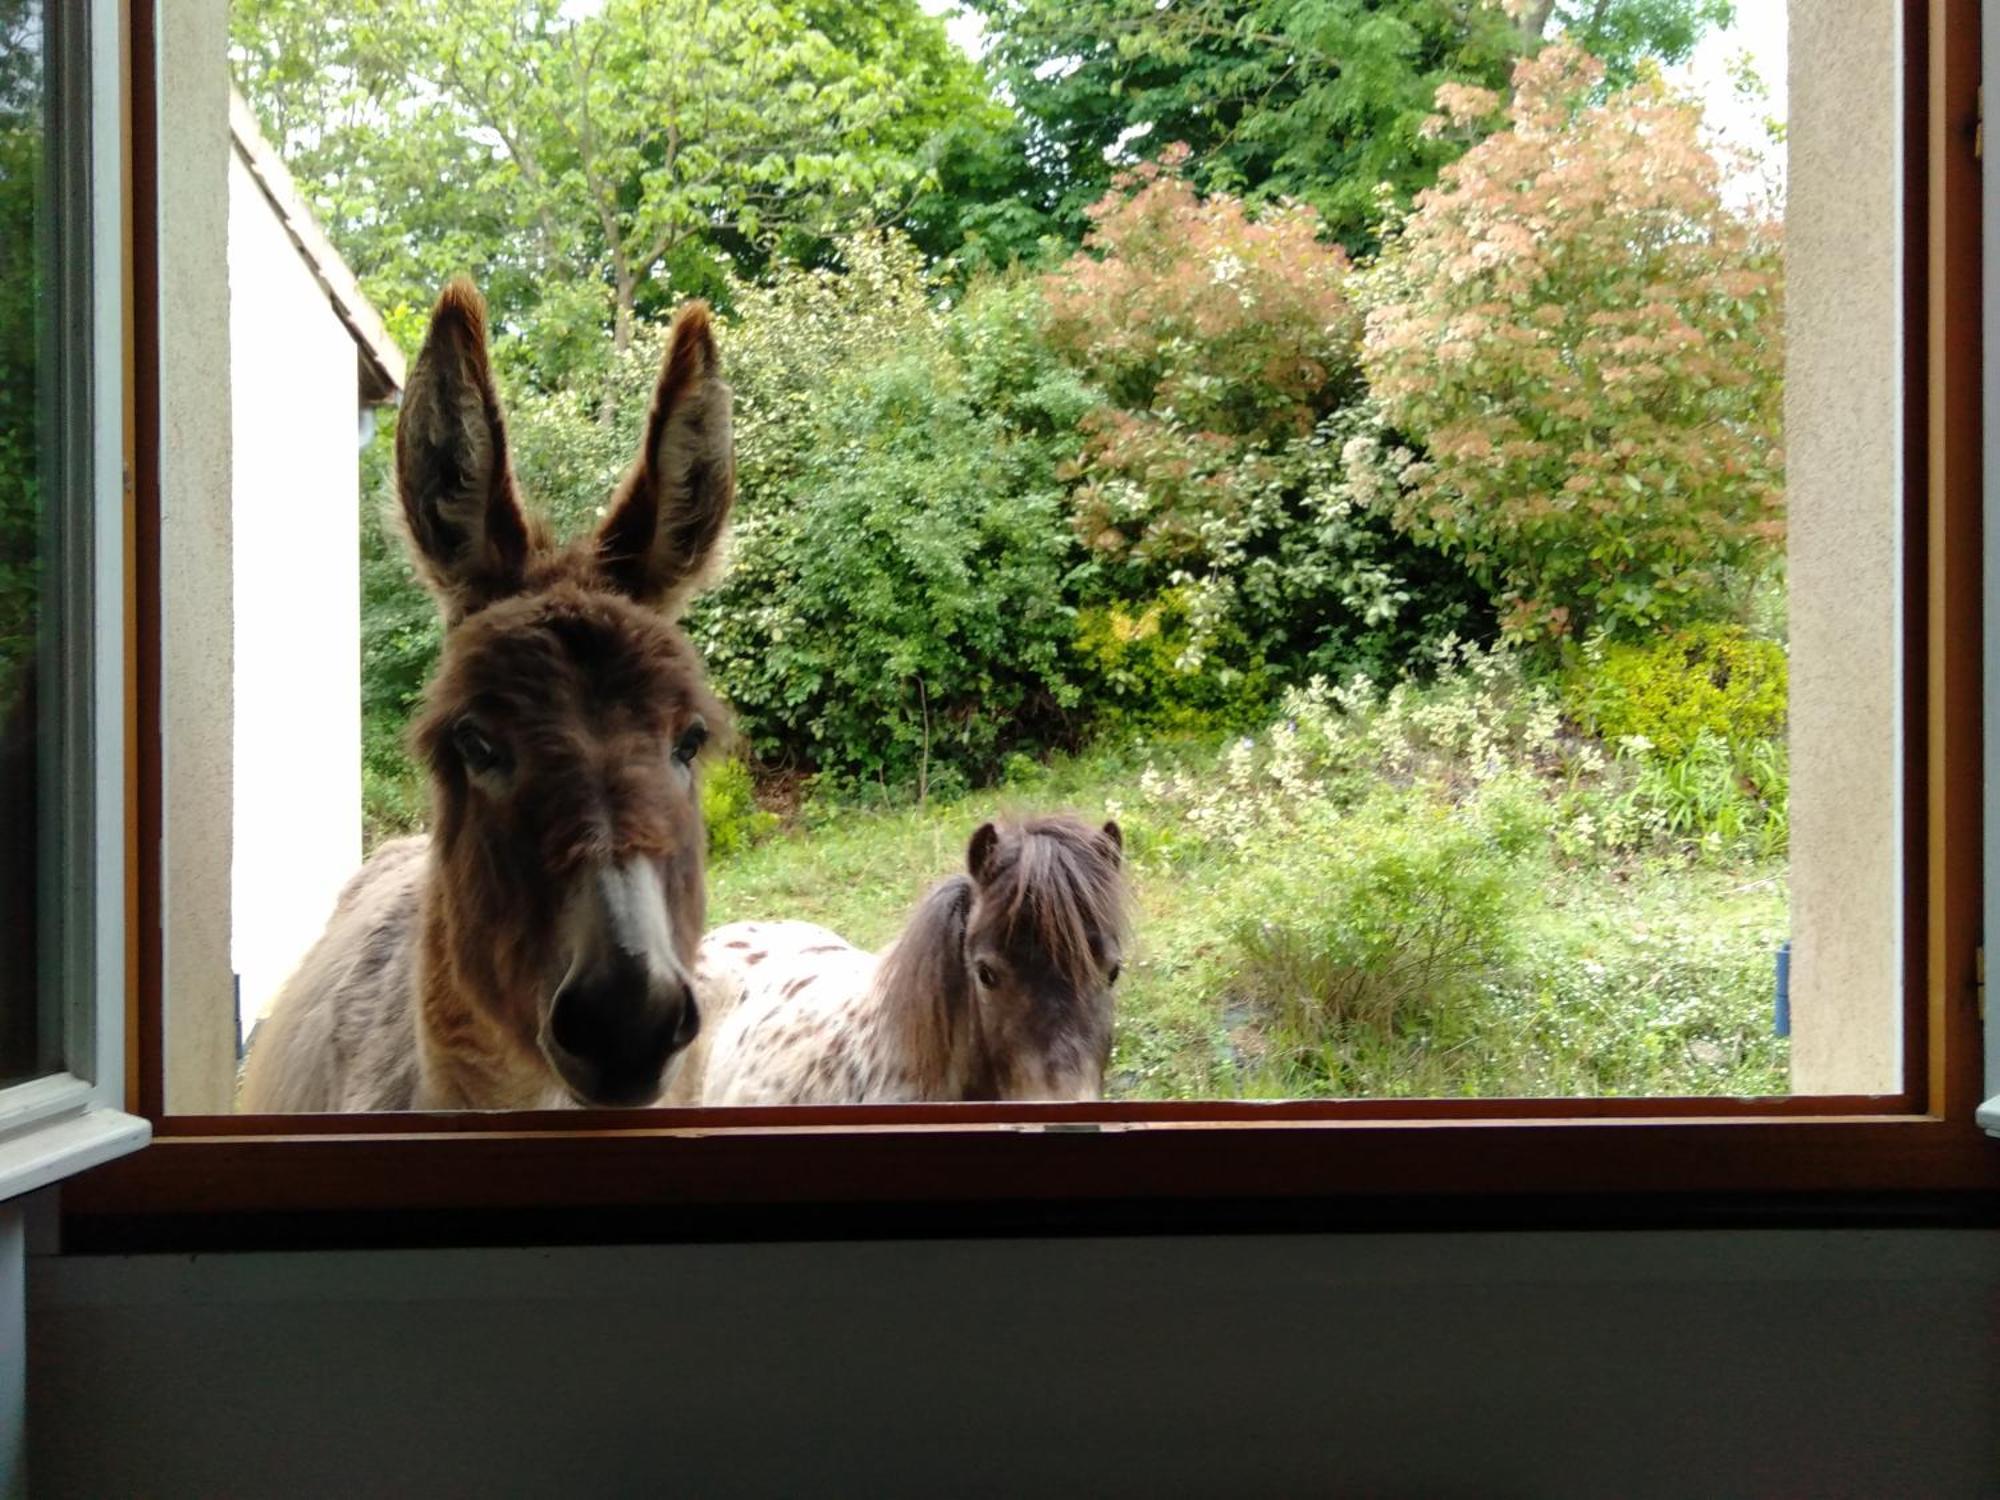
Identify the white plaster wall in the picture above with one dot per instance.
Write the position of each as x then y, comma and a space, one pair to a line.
196, 641
1843, 440
296, 569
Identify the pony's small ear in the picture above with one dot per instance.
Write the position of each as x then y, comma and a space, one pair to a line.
1116, 841
979, 853
460, 510
668, 512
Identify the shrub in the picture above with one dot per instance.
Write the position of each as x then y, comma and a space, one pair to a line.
1409, 917
729, 807
1576, 345
1226, 347
1708, 679
899, 611
1147, 670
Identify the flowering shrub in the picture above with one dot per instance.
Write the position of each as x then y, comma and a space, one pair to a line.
1580, 344
1225, 345
1485, 732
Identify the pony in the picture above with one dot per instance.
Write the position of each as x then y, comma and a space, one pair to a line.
536, 949
999, 986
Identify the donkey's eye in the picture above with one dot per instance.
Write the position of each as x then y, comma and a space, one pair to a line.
477, 749
986, 974
688, 746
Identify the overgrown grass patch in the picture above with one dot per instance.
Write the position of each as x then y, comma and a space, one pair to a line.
1397, 947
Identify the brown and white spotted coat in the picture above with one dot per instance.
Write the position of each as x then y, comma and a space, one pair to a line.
999, 987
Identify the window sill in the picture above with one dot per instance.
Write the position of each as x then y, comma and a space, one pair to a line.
50, 1149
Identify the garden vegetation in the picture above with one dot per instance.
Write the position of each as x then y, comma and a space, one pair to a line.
1338, 438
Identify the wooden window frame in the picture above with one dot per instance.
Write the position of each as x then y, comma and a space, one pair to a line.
986, 1168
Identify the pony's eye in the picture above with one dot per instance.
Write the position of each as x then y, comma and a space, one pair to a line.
985, 972
688, 746
1111, 974
476, 748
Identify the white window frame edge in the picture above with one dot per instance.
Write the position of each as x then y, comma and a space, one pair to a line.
56, 1126
1989, 1112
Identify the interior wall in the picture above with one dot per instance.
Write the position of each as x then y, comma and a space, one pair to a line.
1785, 1363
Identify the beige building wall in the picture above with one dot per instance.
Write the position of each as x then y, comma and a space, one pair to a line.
1843, 420
196, 646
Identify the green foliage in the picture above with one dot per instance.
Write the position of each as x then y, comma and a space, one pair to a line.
1417, 918
729, 807
1146, 670
899, 611
592, 169
24, 329
1718, 798
1600, 973
1226, 345
1579, 354
1319, 100
1714, 680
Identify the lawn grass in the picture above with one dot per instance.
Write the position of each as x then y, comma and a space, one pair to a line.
1626, 976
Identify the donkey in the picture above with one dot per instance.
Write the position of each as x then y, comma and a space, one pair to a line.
535, 950
999, 987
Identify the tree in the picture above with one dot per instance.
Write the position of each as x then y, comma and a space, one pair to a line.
25, 250
1320, 100
1582, 345
1226, 345
629, 155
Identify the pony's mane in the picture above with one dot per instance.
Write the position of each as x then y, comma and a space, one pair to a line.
922, 979
1059, 889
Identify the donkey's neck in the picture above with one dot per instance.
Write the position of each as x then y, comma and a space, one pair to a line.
467, 1059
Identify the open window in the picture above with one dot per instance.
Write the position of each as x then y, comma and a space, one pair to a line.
1509, 916
62, 633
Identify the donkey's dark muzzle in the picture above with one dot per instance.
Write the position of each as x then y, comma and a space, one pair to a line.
612, 1031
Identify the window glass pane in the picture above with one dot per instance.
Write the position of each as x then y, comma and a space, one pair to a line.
1450, 522
40, 436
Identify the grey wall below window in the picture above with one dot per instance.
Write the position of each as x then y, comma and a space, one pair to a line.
1790, 1363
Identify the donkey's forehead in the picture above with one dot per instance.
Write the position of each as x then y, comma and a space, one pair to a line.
573, 644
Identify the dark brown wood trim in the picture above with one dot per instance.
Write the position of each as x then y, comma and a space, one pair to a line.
710, 1169
1200, 1164
1110, 1113
1953, 617
145, 1040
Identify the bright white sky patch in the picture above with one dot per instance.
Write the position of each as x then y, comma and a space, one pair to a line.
1761, 34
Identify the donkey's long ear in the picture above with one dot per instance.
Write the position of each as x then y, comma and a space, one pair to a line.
464, 520
668, 513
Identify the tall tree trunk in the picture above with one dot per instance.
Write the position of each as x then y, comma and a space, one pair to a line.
624, 321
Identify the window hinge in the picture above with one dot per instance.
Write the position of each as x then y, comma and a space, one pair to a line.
1979, 124
1979, 977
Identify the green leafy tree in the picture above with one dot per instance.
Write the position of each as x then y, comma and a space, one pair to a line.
1320, 100
593, 168
1577, 345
